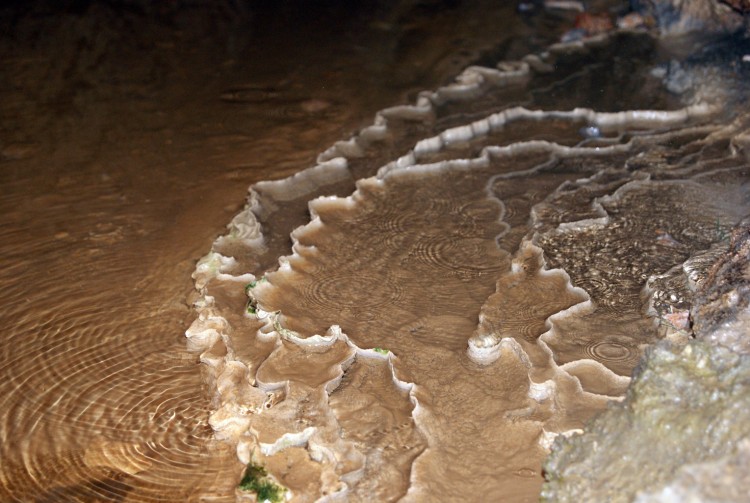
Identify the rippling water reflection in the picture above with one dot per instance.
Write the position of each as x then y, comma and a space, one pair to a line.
127, 141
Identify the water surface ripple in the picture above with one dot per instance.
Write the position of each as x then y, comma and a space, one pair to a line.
128, 135
494, 262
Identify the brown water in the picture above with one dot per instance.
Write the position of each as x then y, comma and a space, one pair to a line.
128, 139
500, 266
474, 280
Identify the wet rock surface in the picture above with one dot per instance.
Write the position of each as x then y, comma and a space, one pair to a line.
682, 16
722, 302
686, 406
681, 434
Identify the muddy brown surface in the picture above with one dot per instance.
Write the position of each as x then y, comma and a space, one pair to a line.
128, 137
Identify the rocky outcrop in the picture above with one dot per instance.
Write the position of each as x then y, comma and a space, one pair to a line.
682, 432
681, 16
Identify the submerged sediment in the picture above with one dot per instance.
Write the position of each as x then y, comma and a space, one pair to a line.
489, 263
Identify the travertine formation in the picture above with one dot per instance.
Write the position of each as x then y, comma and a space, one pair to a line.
489, 263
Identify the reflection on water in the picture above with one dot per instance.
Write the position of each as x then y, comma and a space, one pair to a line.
471, 282
128, 135
491, 250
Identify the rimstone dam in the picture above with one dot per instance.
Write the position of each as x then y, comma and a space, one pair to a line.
531, 281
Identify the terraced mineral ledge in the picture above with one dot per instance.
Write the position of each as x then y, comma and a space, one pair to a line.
685, 418
469, 278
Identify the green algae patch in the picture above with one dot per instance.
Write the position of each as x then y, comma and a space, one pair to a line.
255, 283
382, 351
252, 303
257, 480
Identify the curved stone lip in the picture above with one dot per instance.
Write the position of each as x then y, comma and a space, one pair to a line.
210, 327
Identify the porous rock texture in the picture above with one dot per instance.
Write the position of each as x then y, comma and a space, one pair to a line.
683, 431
